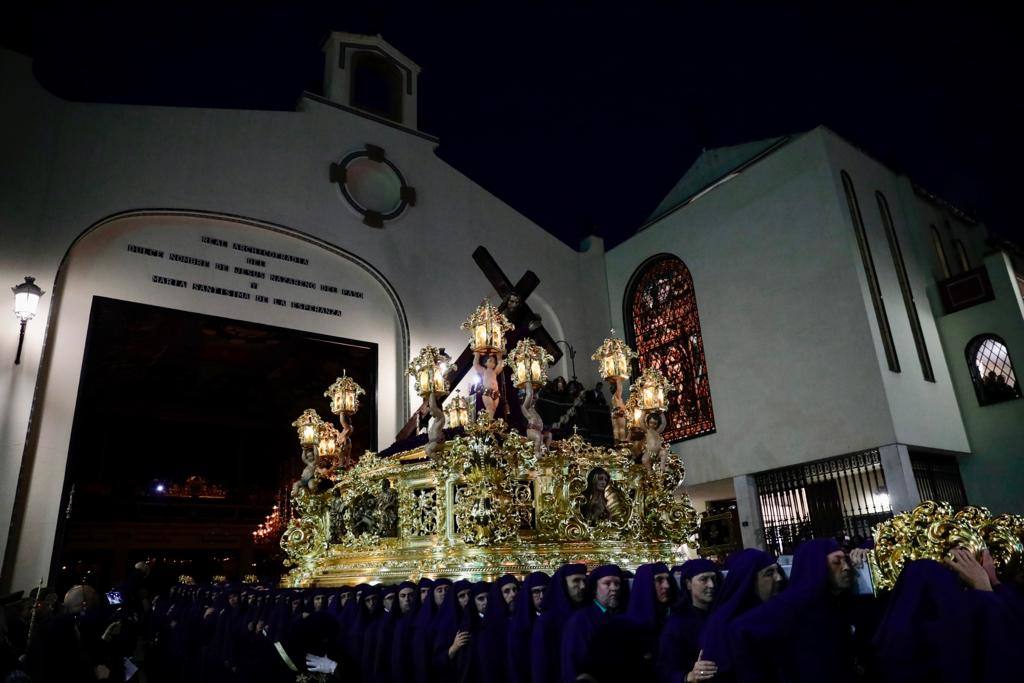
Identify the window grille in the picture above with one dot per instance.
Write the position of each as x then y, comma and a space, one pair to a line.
841, 496
665, 329
908, 294
938, 478
991, 369
869, 271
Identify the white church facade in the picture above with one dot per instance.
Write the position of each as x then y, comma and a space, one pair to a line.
836, 301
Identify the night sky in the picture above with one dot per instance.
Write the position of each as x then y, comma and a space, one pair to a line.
582, 115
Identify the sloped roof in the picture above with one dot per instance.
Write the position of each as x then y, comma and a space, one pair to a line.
712, 166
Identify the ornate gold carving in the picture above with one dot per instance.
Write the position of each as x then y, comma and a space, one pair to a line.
932, 530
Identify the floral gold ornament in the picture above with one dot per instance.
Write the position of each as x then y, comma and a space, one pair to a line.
487, 326
430, 370
615, 358
457, 413
653, 388
344, 394
932, 529
529, 363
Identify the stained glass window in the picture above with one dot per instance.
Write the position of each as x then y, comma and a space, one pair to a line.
665, 330
991, 370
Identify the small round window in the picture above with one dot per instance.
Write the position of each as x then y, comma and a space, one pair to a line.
372, 185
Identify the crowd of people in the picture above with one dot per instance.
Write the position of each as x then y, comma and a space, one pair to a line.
957, 621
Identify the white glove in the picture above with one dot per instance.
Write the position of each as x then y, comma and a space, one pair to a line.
320, 665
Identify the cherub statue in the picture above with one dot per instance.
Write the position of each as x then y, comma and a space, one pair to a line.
435, 431
619, 430
489, 371
534, 422
345, 443
307, 479
654, 445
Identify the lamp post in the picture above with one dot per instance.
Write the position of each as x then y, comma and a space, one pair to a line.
26, 303
529, 363
429, 369
487, 326
344, 394
457, 411
615, 359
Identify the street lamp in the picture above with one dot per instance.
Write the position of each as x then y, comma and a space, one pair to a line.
26, 303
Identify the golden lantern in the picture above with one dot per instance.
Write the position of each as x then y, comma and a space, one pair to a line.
430, 369
653, 388
615, 358
344, 395
488, 326
529, 362
456, 413
634, 412
328, 439
308, 427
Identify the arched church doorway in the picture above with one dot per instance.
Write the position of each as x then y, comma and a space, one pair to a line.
181, 348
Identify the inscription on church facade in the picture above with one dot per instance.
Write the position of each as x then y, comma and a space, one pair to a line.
252, 272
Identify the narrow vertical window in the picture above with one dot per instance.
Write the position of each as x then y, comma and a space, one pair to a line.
991, 369
869, 271
908, 294
664, 326
940, 252
961, 256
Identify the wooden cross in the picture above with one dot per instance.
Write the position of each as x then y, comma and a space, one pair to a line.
504, 287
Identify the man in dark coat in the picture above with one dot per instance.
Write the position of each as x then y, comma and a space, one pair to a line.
566, 594
604, 586
679, 646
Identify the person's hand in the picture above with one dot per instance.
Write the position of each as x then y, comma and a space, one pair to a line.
320, 665
858, 556
112, 631
968, 569
461, 639
101, 672
703, 670
989, 566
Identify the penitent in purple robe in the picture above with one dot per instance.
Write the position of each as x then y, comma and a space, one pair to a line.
645, 618
581, 627
679, 645
371, 639
807, 632
446, 626
546, 641
737, 596
521, 629
493, 639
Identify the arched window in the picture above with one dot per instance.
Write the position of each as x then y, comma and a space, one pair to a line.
961, 256
988, 359
664, 327
908, 293
940, 252
376, 85
869, 272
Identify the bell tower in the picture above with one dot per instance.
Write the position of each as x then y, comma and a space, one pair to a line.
367, 73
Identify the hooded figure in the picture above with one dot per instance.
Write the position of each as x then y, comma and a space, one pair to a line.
423, 633
935, 630
805, 633
653, 592
398, 652
369, 610
524, 614
546, 641
493, 641
581, 626
447, 625
371, 638
739, 594
679, 645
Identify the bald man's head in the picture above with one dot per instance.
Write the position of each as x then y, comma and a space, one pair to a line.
80, 598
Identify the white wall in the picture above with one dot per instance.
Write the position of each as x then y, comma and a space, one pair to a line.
924, 413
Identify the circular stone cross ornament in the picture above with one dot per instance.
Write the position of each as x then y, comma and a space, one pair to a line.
372, 185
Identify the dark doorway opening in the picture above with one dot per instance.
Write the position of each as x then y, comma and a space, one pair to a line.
182, 440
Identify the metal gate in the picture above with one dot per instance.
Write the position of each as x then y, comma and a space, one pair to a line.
843, 496
938, 478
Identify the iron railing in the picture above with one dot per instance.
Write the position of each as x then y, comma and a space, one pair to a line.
844, 496
938, 478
